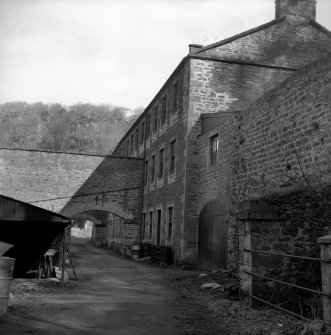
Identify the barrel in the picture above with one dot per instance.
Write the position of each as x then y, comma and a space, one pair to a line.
155, 254
146, 250
6, 277
166, 255
135, 251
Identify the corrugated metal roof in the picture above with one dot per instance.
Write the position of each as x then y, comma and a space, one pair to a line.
16, 210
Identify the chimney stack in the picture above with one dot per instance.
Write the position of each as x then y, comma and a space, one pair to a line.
301, 8
194, 47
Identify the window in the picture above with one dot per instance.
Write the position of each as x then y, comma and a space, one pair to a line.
128, 147
164, 110
213, 149
153, 169
150, 224
131, 144
158, 227
172, 164
143, 223
161, 163
146, 172
136, 138
142, 132
175, 102
148, 125
155, 119
170, 221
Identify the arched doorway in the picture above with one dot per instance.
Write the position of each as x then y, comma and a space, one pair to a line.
213, 236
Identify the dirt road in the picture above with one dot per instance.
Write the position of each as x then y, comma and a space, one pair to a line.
114, 296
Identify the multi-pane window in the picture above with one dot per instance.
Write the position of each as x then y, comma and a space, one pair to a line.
143, 222
175, 102
136, 138
150, 224
172, 163
164, 110
170, 221
213, 149
142, 132
161, 163
146, 172
148, 125
153, 168
155, 119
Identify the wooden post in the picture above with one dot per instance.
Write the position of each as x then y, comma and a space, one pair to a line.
325, 243
245, 263
64, 252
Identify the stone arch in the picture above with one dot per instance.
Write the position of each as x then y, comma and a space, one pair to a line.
89, 205
213, 236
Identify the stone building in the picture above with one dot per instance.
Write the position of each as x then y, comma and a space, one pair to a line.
192, 134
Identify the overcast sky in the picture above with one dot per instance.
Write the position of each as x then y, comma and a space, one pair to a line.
112, 51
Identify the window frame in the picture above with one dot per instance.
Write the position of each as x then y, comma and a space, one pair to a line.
175, 97
172, 156
142, 133
153, 167
161, 163
155, 119
213, 154
150, 220
170, 222
164, 110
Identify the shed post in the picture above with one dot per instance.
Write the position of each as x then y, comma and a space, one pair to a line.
325, 243
64, 252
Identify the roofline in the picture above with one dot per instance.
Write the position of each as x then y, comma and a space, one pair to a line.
207, 58
153, 101
67, 153
242, 62
39, 208
235, 37
320, 27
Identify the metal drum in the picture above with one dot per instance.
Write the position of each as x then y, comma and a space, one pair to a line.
6, 277
135, 251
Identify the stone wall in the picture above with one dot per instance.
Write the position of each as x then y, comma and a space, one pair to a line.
70, 184
276, 152
292, 42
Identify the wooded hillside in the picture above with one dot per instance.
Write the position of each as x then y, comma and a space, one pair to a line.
82, 128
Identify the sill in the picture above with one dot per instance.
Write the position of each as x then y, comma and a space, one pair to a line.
160, 182
172, 177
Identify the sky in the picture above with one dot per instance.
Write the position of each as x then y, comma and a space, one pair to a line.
112, 51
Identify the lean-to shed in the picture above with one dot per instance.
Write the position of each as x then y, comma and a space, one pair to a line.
32, 231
